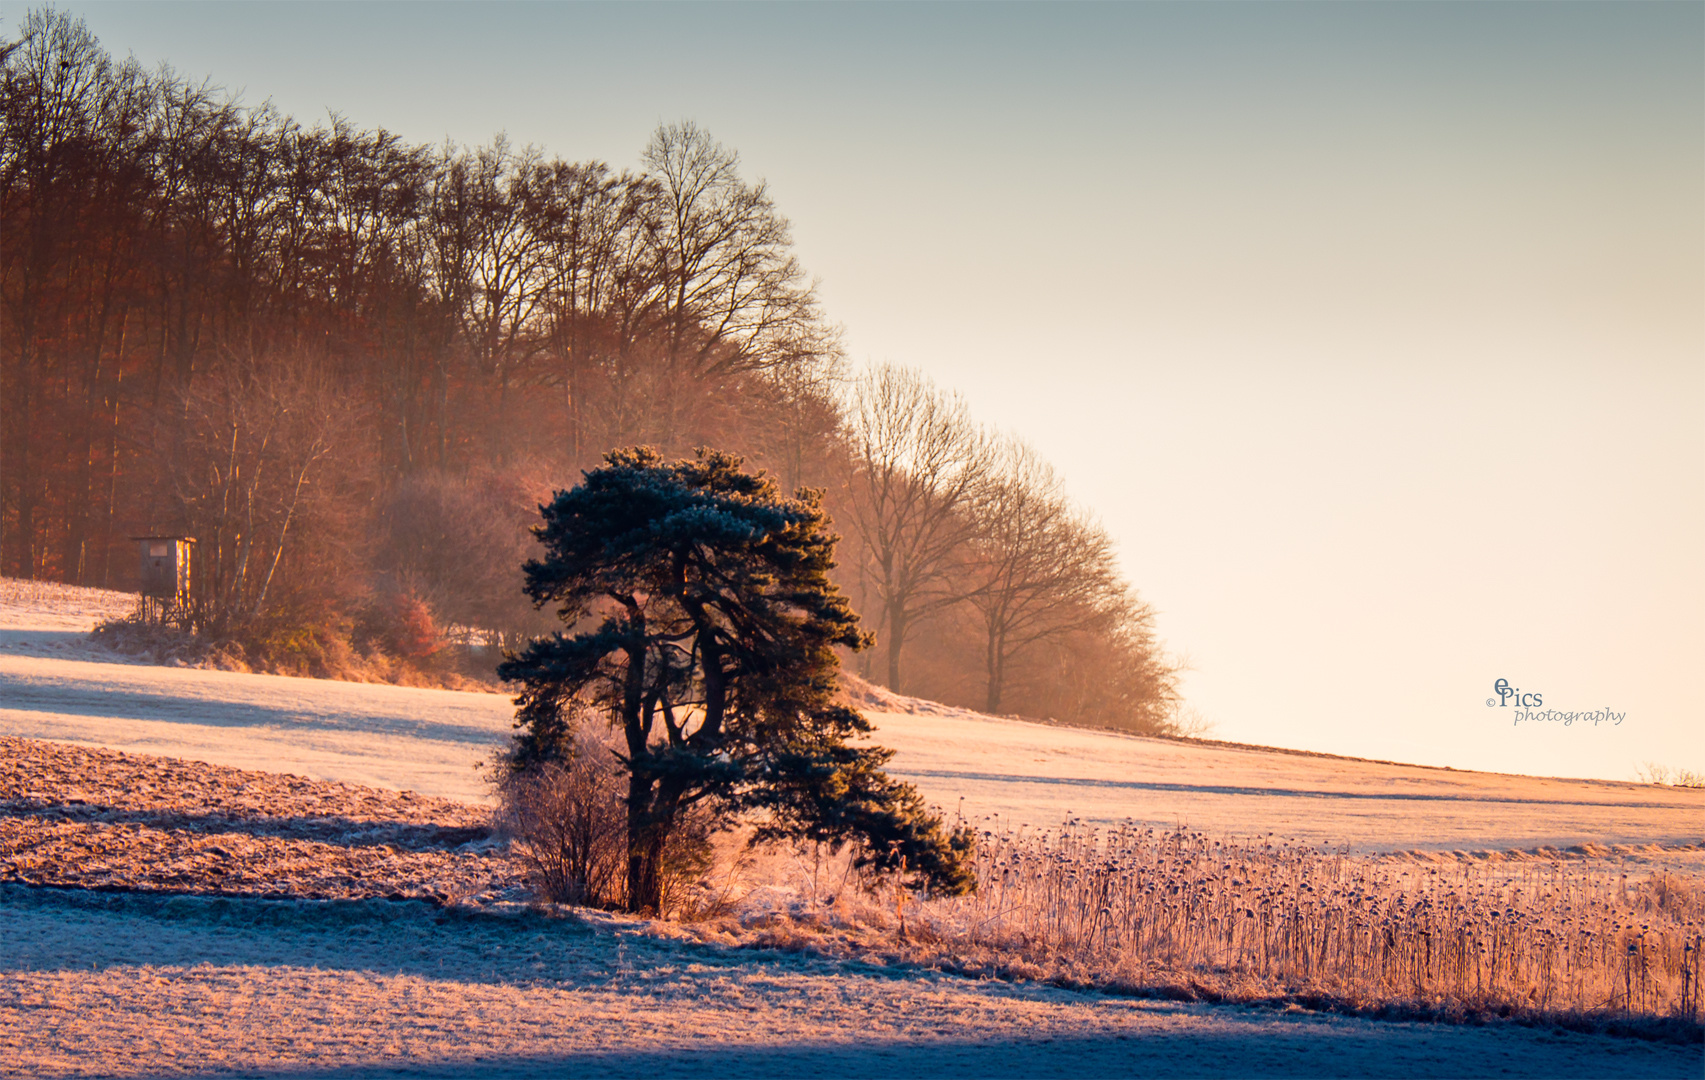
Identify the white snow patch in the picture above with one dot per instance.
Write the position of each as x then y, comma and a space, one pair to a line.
404, 738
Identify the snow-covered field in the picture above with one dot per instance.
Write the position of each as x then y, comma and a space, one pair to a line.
55, 685
129, 983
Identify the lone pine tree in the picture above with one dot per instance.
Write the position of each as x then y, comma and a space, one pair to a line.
702, 624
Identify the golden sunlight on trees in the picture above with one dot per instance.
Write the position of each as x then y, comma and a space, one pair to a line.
1039, 570
918, 466
354, 367
971, 535
457, 543
261, 464
725, 285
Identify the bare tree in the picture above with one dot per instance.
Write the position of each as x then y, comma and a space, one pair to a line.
796, 416
492, 265
70, 123
673, 306
725, 290
918, 466
458, 542
1041, 569
1110, 672
254, 459
595, 224
368, 262
349, 363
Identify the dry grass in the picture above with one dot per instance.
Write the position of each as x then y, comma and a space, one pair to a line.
1571, 941
310, 652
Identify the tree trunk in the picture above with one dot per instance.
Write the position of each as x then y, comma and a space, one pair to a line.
644, 887
651, 818
112, 452
896, 640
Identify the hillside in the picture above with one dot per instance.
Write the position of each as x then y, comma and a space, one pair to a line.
55, 685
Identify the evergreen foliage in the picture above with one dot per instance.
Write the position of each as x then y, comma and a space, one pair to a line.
702, 623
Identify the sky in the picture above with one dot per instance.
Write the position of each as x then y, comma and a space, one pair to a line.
1375, 334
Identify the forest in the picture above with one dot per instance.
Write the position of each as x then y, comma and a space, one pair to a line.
353, 368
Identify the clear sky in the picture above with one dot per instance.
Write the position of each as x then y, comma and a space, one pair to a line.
1374, 333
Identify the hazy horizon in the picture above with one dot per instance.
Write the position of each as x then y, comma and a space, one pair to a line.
1375, 335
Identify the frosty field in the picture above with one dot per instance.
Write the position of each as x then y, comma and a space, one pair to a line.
128, 973
105, 984
53, 685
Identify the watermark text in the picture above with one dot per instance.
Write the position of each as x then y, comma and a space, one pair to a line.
1529, 708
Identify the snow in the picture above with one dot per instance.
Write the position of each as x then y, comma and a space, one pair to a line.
1040, 775
59, 609
139, 985
56, 685
430, 741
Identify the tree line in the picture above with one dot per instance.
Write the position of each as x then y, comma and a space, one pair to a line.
353, 368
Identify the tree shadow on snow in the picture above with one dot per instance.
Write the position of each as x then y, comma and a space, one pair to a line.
62, 697
1259, 1048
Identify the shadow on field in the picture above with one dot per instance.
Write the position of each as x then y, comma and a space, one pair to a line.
1264, 1048
195, 939
12, 640
71, 697
95, 929
341, 831
1270, 792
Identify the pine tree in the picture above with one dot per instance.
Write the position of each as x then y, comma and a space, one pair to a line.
702, 623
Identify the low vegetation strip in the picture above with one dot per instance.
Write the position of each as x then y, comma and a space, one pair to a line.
86, 855
1574, 942
126, 984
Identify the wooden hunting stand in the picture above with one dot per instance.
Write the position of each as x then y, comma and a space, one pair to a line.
165, 579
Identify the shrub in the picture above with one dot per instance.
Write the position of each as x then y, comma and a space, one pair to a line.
569, 825
400, 623
304, 639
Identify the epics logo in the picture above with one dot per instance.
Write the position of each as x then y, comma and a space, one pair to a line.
1507, 696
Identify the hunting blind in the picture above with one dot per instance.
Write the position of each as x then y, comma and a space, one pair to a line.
165, 577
